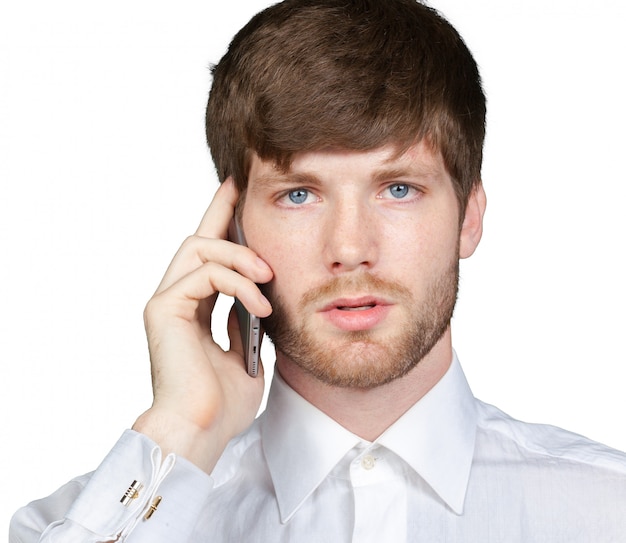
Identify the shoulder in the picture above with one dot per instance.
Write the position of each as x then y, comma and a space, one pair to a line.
536, 482
499, 435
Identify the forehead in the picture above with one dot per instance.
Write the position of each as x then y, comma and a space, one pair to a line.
418, 161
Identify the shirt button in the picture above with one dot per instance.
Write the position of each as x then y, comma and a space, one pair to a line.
368, 462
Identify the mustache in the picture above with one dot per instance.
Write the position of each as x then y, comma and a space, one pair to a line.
364, 283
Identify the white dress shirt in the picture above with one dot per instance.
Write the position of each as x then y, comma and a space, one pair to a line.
451, 469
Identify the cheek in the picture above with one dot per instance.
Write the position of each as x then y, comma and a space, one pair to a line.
284, 261
288, 254
420, 241
426, 258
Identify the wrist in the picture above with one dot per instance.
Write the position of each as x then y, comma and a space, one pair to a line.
174, 434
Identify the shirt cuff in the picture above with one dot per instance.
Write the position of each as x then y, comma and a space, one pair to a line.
134, 489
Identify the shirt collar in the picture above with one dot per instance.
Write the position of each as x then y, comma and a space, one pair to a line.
301, 445
435, 437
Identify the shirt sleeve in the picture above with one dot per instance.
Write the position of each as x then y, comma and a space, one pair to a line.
135, 495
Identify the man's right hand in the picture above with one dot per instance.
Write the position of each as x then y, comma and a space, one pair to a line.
202, 394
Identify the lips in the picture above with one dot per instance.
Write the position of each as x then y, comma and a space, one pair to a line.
356, 303
354, 314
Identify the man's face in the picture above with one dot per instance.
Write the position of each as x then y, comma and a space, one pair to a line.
364, 247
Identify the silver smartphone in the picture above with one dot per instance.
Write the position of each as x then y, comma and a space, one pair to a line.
250, 325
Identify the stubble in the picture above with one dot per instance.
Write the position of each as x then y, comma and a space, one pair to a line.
365, 359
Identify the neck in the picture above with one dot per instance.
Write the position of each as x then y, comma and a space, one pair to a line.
369, 412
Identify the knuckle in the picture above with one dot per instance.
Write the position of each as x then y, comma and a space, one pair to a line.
147, 311
151, 308
190, 242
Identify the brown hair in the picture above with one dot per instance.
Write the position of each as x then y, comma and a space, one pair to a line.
305, 75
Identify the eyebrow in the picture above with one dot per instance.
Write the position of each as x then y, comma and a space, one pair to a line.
292, 179
413, 172
276, 180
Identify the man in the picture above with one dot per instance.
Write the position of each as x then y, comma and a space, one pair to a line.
348, 137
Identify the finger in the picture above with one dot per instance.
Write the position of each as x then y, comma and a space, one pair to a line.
182, 297
197, 251
234, 332
214, 223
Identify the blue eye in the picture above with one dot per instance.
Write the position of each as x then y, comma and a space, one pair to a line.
298, 196
399, 191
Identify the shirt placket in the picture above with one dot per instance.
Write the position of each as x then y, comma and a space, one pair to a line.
379, 497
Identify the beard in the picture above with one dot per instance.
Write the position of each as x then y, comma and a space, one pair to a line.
364, 359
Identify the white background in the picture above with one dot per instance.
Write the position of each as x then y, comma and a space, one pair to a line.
104, 170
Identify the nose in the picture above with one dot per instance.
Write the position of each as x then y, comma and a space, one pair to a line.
350, 242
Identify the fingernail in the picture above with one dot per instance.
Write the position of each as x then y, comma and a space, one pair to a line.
264, 300
262, 264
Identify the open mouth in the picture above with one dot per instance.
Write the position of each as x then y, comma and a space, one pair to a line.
355, 308
354, 303
357, 313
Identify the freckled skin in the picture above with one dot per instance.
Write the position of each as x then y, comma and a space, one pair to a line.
342, 217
